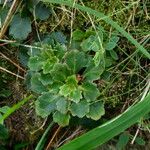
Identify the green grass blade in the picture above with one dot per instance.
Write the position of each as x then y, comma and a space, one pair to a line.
106, 19
40, 145
14, 108
103, 133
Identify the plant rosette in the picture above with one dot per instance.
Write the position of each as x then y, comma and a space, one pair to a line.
65, 84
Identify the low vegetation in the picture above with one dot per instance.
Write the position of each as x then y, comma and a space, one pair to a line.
74, 74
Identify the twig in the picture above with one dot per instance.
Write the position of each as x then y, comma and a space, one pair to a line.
146, 90
4, 56
53, 137
40, 128
18, 76
76, 132
9, 17
136, 134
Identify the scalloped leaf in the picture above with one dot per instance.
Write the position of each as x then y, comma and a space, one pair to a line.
60, 72
76, 95
61, 119
20, 27
90, 91
75, 60
70, 86
79, 109
35, 63
93, 72
62, 105
36, 84
46, 79
96, 111
46, 104
48, 65
42, 12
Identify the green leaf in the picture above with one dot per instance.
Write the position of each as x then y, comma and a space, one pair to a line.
34, 50
99, 58
4, 109
140, 141
93, 42
40, 145
109, 61
46, 104
3, 133
20, 27
46, 79
114, 55
112, 43
2, 121
3, 15
42, 12
90, 91
14, 108
35, 63
55, 87
107, 19
47, 52
123, 141
62, 105
5, 93
76, 95
79, 109
93, 72
23, 56
60, 72
78, 35
48, 65
70, 86
75, 60
58, 37
108, 130
90, 43
61, 119
60, 50
36, 84
96, 111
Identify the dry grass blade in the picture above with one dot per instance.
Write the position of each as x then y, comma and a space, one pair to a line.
18, 76
14, 6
